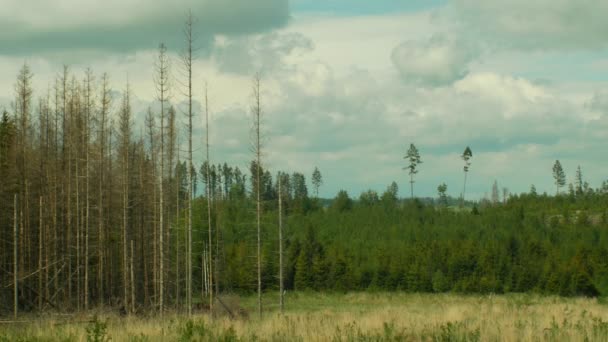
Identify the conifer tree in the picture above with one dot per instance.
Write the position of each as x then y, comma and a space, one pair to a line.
559, 176
413, 157
466, 157
317, 181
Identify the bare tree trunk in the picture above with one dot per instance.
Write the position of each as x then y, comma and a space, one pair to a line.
78, 233
187, 59
150, 122
177, 246
209, 203
105, 107
125, 132
162, 70
132, 282
257, 112
125, 203
177, 233
86, 177
412, 185
203, 275
55, 189
40, 273
15, 263
281, 298
109, 281
69, 209
464, 187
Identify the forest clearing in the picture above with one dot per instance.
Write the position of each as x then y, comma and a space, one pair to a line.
349, 317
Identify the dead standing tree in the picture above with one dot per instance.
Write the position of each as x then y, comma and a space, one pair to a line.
256, 111
162, 89
187, 58
210, 261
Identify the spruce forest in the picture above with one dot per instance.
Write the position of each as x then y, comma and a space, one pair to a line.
96, 214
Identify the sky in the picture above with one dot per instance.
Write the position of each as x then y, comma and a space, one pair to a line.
347, 85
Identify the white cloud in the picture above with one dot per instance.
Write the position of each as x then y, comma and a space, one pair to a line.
40, 26
440, 60
261, 53
332, 98
535, 25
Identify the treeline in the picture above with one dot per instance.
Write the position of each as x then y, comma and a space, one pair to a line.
530, 243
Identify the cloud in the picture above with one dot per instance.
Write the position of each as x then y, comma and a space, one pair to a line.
41, 26
599, 103
438, 61
359, 7
536, 25
263, 53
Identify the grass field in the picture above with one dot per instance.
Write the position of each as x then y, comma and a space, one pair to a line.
349, 317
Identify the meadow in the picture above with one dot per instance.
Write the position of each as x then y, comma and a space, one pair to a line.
345, 317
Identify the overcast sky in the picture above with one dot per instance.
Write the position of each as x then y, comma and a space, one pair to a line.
349, 84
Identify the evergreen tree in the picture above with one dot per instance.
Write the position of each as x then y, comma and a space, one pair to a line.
466, 156
413, 157
559, 176
441, 191
368, 198
495, 193
389, 196
317, 181
342, 202
579, 181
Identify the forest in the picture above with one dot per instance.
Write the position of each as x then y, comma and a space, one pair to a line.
94, 214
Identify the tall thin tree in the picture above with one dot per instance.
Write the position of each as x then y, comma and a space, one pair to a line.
162, 90
256, 110
15, 262
187, 57
317, 181
413, 157
104, 111
559, 176
208, 186
466, 157
281, 290
88, 109
125, 142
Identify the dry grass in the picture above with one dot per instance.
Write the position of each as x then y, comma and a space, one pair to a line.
361, 317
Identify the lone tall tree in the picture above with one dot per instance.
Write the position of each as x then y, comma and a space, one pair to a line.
187, 61
579, 181
466, 156
162, 89
495, 193
443, 197
317, 181
281, 292
256, 110
210, 231
559, 176
413, 157
125, 142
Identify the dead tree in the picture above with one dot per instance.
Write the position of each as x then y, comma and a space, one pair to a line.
188, 56
15, 261
162, 88
89, 108
209, 203
256, 110
281, 297
125, 136
103, 117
